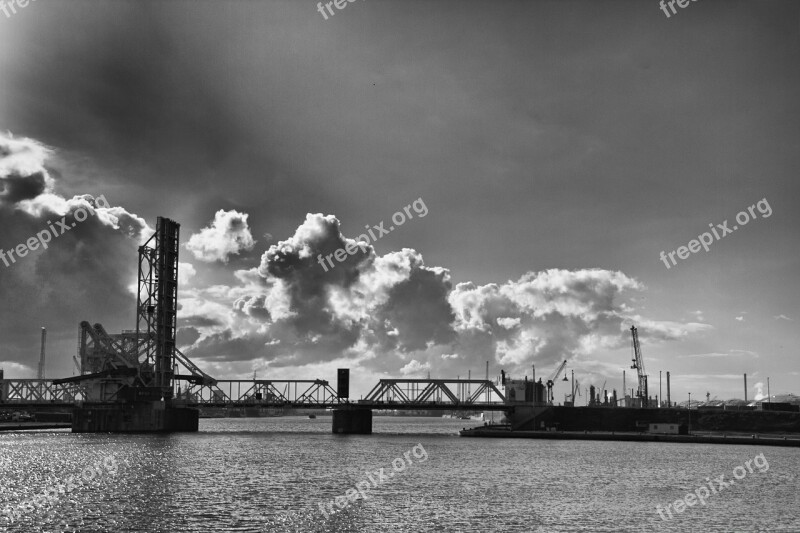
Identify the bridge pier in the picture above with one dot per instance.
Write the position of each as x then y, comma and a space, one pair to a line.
138, 417
351, 420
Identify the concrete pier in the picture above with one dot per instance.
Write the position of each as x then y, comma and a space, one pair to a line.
352, 421
138, 417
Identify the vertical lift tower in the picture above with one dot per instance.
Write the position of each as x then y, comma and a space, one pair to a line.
131, 379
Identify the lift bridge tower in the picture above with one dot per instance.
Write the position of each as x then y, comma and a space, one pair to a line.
157, 305
129, 378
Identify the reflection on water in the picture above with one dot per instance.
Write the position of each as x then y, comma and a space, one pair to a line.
273, 474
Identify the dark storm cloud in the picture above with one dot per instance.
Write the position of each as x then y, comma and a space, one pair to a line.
186, 336
84, 272
15, 188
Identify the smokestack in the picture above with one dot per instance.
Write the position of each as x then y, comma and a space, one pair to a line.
624, 390
41, 357
669, 401
745, 388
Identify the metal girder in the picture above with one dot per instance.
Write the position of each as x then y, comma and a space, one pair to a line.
195, 374
39, 391
99, 351
310, 393
422, 391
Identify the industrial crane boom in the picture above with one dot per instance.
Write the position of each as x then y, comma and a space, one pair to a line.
553, 378
638, 364
558, 371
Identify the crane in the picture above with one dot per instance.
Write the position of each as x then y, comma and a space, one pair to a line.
553, 378
638, 364
576, 390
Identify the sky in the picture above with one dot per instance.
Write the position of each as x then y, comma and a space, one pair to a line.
537, 157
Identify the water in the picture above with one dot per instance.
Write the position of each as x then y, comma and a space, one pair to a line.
271, 474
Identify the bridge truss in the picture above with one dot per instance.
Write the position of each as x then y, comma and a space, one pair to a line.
260, 392
39, 391
436, 393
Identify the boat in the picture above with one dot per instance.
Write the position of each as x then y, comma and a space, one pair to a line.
312, 416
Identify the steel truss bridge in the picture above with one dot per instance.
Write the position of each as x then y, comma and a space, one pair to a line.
390, 394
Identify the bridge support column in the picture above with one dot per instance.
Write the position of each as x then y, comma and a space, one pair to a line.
352, 421
139, 417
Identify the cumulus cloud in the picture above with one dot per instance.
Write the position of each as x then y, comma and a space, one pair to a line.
415, 368
186, 272
227, 235
395, 314
508, 323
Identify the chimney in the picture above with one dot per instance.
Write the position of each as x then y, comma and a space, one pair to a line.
41, 357
745, 388
669, 401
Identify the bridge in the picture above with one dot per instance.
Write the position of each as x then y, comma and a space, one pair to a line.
388, 394
138, 380
466, 395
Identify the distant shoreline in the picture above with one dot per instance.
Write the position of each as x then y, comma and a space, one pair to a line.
506, 433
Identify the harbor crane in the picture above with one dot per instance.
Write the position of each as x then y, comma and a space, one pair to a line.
552, 380
638, 364
576, 390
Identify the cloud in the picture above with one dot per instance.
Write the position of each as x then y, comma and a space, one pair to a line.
228, 235
782, 317
415, 368
703, 355
390, 313
730, 353
186, 272
508, 323
395, 314
84, 273
740, 318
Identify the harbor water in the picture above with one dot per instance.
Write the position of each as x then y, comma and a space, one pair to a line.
292, 474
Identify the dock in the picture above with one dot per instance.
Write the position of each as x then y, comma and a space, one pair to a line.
30, 426
505, 432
